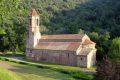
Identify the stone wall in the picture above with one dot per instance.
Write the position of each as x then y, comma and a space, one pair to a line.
89, 46
51, 56
91, 58
82, 61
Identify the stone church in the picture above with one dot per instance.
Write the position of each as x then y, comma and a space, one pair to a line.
64, 49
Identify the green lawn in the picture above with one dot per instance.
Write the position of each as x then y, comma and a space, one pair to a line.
8, 75
28, 70
32, 73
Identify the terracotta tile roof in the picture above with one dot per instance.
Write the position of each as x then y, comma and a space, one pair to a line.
70, 46
34, 12
60, 40
85, 51
88, 42
64, 36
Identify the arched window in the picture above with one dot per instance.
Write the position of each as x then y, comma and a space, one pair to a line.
37, 22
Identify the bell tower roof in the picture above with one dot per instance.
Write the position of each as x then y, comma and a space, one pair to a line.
34, 13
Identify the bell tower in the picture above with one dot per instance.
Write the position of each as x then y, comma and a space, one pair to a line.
34, 34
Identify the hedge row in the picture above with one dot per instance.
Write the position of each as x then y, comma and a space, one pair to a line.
75, 74
9, 55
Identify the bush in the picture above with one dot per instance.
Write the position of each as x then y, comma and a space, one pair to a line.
6, 59
76, 75
39, 66
1, 58
13, 61
23, 63
64, 71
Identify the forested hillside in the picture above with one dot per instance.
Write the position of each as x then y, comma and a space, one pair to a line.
98, 18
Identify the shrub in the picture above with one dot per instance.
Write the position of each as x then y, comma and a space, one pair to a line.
23, 63
6, 59
39, 66
13, 61
64, 71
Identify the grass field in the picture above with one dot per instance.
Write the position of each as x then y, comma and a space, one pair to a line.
43, 71
8, 75
32, 73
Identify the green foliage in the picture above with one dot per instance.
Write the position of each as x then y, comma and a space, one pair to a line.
2, 31
114, 52
94, 36
81, 31
102, 43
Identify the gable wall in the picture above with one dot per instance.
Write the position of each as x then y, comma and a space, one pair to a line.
89, 46
84, 38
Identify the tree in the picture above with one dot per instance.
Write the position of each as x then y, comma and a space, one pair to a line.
102, 43
81, 31
105, 70
2, 31
2, 34
94, 36
114, 51
117, 72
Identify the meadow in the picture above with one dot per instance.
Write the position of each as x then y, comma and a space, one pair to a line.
8, 75
42, 71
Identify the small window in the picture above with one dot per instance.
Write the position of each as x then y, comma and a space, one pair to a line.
30, 51
68, 55
81, 59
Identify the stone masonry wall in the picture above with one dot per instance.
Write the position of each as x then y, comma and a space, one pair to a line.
82, 61
55, 57
91, 58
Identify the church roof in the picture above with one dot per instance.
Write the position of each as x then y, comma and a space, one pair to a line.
68, 42
34, 13
70, 46
64, 36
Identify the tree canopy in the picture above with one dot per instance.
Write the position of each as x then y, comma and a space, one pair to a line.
114, 52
